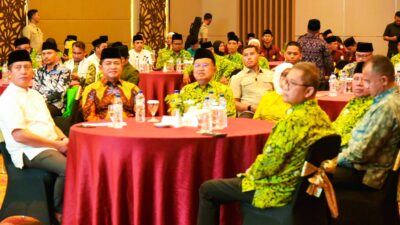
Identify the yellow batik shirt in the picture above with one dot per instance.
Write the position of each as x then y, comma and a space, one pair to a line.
194, 92
271, 107
97, 96
275, 173
349, 117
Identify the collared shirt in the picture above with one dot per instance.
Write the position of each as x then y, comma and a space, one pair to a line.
164, 56
275, 173
271, 107
194, 92
374, 141
351, 114
316, 50
52, 84
130, 74
27, 110
224, 68
35, 35
272, 53
93, 59
135, 58
348, 69
235, 58
392, 30
395, 60
97, 96
81, 68
249, 87
203, 32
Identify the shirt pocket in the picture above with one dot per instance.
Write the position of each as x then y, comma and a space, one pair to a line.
267, 83
247, 81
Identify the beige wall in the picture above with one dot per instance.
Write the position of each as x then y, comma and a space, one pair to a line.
87, 19
225, 16
364, 19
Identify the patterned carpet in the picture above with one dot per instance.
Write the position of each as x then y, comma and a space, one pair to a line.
3, 180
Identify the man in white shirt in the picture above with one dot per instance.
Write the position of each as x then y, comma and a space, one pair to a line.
138, 55
98, 45
203, 32
78, 65
32, 30
250, 84
32, 138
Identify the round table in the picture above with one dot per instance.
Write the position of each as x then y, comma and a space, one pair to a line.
157, 84
333, 105
141, 174
3, 86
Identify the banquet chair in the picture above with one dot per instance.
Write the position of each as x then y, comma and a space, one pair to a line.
72, 114
304, 209
29, 192
361, 205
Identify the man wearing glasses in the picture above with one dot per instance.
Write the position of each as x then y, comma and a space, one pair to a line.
204, 70
364, 52
271, 179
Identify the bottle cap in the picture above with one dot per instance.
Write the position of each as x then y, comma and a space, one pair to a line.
176, 91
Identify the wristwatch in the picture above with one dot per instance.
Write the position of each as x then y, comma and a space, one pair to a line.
249, 108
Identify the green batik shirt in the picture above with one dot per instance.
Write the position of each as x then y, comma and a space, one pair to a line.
35, 63
130, 74
194, 92
224, 68
275, 173
395, 59
349, 117
235, 58
164, 56
349, 69
263, 62
148, 48
375, 139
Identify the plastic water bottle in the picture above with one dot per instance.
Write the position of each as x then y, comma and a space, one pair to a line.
206, 125
224, 116
211, 96
177, 116
140, 107
332, 85
179, 65
118, 111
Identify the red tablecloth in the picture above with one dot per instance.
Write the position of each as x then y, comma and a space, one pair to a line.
3, 86
333, 105
156, 85
144, 175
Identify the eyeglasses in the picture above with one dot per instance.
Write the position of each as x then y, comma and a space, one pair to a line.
363, 55
289, 83
203, 65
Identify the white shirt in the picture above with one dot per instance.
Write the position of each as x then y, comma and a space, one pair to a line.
92, 59
24, 109
142, 56
82, 67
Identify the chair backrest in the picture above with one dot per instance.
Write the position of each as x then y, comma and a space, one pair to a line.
304, 204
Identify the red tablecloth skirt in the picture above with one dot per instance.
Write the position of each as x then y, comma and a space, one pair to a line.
333, 105
146, 175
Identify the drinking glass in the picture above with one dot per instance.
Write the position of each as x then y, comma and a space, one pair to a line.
152, 105
111, 113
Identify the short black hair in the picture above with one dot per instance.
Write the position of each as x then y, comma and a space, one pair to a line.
293, 43
251, 46
207, 16
397, 14
31, 13
79, 44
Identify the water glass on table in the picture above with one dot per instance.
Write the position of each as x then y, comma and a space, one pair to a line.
152, 105
112, 115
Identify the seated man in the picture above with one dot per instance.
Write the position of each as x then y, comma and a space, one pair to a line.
78, 65
204, 70
333, 48
31, 137
350, 45
355, 109
272, 107
250, 84
268, 49
52, 79
364, 52
375, 139
129, 73
262, 61
223, 66
175, 52
233, 54
271, 179
24, 43
94, 72
97, 96
138, 54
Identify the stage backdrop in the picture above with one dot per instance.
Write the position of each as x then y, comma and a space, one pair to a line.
12, 20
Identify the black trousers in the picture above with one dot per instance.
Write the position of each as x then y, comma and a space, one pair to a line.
55, 162
216, 192
54, 111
